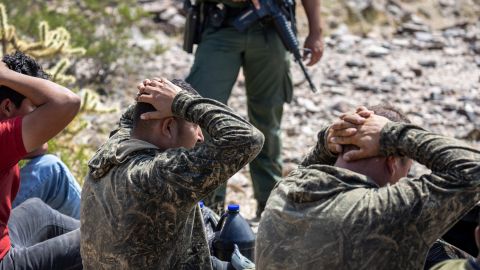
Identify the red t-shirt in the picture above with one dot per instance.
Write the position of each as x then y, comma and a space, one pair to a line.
11, 152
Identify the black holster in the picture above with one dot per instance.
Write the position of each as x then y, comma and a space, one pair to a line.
193, 26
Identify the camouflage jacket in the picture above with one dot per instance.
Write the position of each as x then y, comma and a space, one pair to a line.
140, 204
325, 217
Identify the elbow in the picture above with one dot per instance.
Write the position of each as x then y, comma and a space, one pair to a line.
258, 140
72, 102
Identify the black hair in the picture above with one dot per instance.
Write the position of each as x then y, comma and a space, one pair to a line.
142, 107
24, 64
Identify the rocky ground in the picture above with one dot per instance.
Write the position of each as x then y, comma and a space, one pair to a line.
431, 73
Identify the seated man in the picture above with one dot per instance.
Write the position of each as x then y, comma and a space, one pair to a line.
355, 209
140, 198
36, 237
44, 176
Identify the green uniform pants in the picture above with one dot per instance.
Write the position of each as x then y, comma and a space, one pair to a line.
265, 64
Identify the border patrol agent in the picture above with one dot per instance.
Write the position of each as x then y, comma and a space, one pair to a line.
222, 51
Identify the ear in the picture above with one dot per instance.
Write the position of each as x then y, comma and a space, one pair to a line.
391, 163
169, 128
477, 236
6, 108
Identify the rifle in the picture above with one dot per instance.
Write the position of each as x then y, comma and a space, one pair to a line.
269, 9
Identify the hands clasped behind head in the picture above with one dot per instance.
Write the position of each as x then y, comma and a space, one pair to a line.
159, 92
361, 129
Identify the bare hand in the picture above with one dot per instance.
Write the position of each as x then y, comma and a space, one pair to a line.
346, 126
366, 137
160, 93
256, 3
336, 148
314, 43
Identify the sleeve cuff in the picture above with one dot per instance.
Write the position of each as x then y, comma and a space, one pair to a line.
181, 103
390, 136
322, 144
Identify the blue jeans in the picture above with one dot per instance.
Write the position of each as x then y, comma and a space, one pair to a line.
48, 178
42, 238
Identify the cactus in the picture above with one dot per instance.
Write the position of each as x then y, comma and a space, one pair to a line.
51, 44
54, 45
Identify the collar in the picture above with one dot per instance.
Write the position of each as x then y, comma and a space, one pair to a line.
129, 146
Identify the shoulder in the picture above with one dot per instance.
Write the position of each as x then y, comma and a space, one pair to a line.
9, 125
11, 140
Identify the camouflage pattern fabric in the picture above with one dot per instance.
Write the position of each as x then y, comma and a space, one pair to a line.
140, 204
325, 217
442, 251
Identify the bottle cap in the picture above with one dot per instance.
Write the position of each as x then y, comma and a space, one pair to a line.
233, 208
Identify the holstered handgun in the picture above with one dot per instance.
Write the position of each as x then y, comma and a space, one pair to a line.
192, 25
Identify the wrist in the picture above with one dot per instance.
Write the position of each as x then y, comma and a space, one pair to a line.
322, 142
388, 139
315, 32
5, 74
180, 103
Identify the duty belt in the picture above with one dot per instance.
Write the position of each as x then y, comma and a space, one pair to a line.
221, 15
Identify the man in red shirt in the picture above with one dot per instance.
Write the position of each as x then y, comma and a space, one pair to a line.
32, 236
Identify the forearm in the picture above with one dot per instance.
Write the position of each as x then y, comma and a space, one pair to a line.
445, 156
431, 201
55, 105
196, 172
320, 153
37, 90
313, 11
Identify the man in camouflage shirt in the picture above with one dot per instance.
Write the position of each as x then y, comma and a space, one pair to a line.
140, 198
336, 213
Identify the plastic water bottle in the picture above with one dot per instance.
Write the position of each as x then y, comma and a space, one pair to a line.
210, 220
233, 229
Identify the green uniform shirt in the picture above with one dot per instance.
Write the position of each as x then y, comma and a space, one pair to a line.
325, 217
140, 204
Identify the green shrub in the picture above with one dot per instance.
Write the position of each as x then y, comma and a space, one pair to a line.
53, 47
101, 27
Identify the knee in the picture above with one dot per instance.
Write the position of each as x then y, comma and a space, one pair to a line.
43, 162
49, 160
34, 203
50, 165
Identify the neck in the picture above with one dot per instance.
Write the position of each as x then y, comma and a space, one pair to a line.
143, 136
150, 137
374, 168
